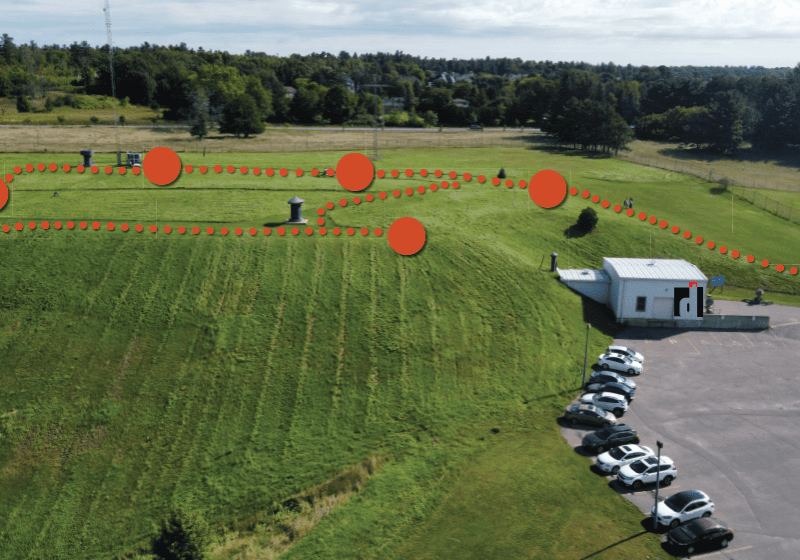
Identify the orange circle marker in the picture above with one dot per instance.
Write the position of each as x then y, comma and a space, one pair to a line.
3, 193
161, 166
355, 172
406, 236
547, 189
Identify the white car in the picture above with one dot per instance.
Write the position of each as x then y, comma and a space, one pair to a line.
683, 506
627, 352
613, 460
619, 363
645, 471
612, 402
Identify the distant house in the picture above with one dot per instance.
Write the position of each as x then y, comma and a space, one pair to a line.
290, 91
349, 84
413, 80
461, 103
394, 104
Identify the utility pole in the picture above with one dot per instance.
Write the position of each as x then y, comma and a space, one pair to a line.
107, 10
658, 478
586, 356
375, 91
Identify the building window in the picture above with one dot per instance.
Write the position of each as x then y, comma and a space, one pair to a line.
640, 303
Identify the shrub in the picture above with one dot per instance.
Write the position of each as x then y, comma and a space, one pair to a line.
125, 102
23, 105
61, 119
724, 184
431, 118
183, 535
588, 219
94, 120
48, 105
122, 120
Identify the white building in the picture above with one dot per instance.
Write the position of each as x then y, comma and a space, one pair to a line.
643, 291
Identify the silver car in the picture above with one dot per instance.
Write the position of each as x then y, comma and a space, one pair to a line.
613, 460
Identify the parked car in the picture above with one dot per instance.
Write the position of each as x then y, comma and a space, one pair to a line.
644, 471
615, 387
610, 377
620, 363
475, 127
682, 507
700, 533
588, 414
613, 460
613, 402
627, 352
608, 437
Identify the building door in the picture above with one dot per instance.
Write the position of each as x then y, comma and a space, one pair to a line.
663, 308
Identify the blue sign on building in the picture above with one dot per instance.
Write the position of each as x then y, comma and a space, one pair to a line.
717, 281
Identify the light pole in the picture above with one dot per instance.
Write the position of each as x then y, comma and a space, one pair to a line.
658, 478
586, 355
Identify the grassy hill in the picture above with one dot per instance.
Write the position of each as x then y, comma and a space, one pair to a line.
404, 396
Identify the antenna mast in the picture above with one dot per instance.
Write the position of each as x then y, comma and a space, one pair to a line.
107, 10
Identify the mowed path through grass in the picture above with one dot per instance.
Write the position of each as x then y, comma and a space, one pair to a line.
235, 372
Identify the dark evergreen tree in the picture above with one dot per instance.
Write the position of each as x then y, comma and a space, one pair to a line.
240, 116
588, 219
338, 106
23, 105
183, 535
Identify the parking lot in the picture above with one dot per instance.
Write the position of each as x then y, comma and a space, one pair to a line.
726, 406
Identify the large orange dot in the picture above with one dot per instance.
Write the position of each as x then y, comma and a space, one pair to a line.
355, 172
547, 188
161, 166
406, 236
3, 193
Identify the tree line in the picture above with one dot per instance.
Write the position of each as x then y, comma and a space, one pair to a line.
592, 106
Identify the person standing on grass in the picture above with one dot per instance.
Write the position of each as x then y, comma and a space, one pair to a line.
630, 202
625, 203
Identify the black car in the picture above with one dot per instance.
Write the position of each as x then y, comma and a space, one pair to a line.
588, 414
700, 533
613, 387
475, 127
608, 437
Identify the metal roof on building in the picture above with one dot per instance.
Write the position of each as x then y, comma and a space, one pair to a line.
655, 269
582, 275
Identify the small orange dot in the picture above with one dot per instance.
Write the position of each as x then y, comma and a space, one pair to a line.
379, 232
617, 208
750, 258
595, 199
336, 231
434, 188
45, 225
309, 231
350, 231
653, 219
793, 270
381, 174
409, 191
467, 176
231, 169
238, 231
675, 229
357, 200
723, 249
663, 224
95, 169
687, 234
698, 240
629, 211
224, 231
40, 167
203, 169
210, 230
765, 263
343, 202
321, 211
217, 169
323, 231
421, 189
125, 227
585, 194
108, 170
122, 170
382, 195
139, 227
409, 172
53, 167
281, 231
711, 244
181, 229
395, 173
481, 179
320, 221
153, 229
243, 170
642, 216
396, 193
32, 225
423, 172
189, 169
780, 268
735, 254
509, 183
284, 172
370, 198
438, 173
364, 231
453, 175
195, 230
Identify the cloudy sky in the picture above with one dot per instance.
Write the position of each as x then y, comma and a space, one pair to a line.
651, 32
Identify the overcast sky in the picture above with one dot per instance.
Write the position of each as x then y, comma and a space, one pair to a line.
651, 32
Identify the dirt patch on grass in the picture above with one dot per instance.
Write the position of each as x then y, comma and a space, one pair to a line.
289, 521
116, 389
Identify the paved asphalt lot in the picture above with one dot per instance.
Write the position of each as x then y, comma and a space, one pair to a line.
726, 405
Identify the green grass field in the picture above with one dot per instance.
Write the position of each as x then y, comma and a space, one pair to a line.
236, 372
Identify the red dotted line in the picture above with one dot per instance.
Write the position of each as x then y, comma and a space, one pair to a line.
675, 229
195, 230
383, 195
243, 170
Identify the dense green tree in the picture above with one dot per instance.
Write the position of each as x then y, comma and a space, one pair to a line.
727, 113
587, 220
338, 106
183, 535
532, 100
240, 116
8, 51
199, 118
23, 105
261, 96
306, 106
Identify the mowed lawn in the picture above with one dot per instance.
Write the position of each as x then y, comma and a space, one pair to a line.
234, 372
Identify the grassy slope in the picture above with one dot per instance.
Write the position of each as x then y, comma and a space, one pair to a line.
458, 339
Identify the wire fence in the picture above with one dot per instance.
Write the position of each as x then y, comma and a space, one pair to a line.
266, 145
754, 193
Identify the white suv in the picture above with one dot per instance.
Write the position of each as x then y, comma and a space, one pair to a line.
620, 363
613, 460
682, 507
612, 402
644, 471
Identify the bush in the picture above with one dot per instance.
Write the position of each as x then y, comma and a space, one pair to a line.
122, 120
724, 184
183, 535
48, 105
587, 220
431, 118
23, 105
125, 102
94, 120
61, 119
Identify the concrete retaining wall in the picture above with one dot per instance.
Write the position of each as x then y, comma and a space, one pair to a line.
721, 322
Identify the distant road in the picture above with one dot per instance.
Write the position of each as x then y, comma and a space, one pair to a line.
460, 129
